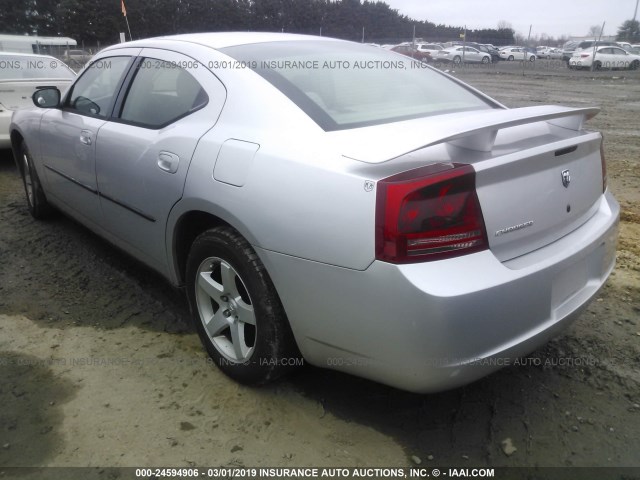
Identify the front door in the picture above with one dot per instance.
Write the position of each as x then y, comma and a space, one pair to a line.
68, 136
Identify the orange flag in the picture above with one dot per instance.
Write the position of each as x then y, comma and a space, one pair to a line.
124, 10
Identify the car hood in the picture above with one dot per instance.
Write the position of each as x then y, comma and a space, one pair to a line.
474, 130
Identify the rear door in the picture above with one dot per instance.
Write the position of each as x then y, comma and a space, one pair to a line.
620, 58
142, 157
472, 55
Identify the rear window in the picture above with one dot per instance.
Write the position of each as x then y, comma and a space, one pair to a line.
344, 85
17, 67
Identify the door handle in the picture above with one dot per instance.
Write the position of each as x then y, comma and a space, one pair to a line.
168, 161
85, 137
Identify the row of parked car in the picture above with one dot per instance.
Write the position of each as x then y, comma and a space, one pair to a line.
575, 54
448, 52
469, 52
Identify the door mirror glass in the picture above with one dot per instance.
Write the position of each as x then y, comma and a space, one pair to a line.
84, 105
46, 97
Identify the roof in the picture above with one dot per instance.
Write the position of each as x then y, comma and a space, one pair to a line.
218, 40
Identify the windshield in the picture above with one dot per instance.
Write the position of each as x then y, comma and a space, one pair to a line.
18, 67
346, 85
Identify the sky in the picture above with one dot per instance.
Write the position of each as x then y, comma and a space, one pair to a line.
552, 17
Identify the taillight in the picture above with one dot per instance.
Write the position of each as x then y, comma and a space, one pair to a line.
603, 164
585, 55
429, 213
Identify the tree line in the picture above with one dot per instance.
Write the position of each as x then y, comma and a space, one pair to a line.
94, 22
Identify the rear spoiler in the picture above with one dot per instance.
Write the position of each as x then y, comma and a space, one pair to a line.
474, 130
483, 135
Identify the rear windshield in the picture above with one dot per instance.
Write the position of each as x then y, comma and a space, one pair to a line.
17, 67
344, 85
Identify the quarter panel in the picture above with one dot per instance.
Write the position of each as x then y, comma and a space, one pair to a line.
298, 196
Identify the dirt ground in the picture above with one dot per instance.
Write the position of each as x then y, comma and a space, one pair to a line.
100, 366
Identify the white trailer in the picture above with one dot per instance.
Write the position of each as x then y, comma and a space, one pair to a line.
34, 44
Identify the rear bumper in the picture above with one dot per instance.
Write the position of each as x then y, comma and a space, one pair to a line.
433, 326
579, 63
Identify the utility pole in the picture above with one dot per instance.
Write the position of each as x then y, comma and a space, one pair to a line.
595, 48
525, 54
635, 13
464, 45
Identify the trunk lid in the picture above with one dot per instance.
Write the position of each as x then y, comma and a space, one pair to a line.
23, 74
536, 195
538, 173
17, 94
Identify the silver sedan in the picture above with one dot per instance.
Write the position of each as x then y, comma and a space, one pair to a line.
322, 201
461, 54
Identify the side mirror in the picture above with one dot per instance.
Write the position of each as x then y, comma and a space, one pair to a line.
48, 97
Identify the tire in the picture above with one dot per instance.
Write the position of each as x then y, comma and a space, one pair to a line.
236, 310
457, 60
511, 58
486, 59
597, 65
37, 203
532, 58
634, 65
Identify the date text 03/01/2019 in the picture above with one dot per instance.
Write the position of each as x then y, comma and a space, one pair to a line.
313, 472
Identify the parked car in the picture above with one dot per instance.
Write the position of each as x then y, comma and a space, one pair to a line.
495, 53
517, 53
431, 49
458, 55
77, 56
550, 54
589, 44
567, 50
573, 46
410, 51
605, 57
382, 220
21, 74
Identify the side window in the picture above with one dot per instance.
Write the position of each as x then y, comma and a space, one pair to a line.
94, 91
161, 93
